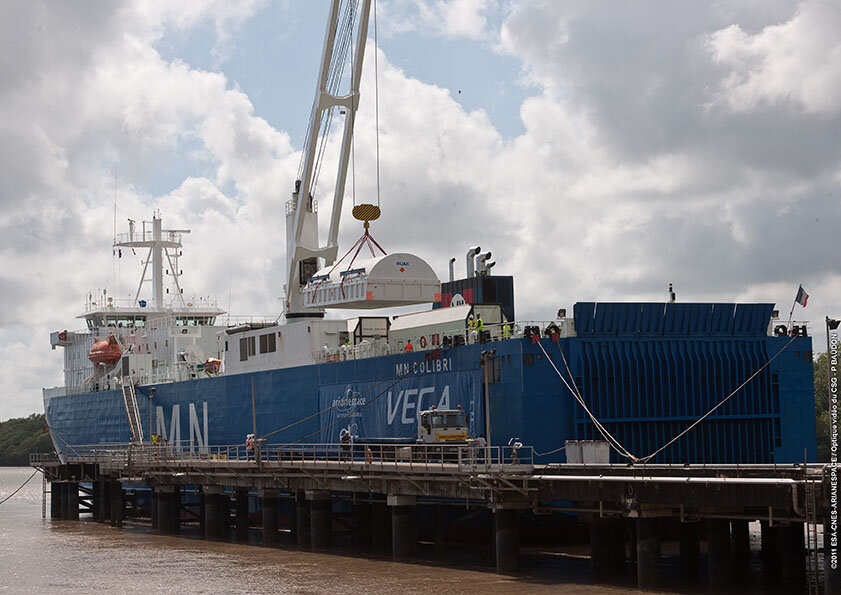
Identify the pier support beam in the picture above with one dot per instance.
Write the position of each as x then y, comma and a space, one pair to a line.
169, 508
607, 547
507, 539
438, 530
361, 536
242, 520
302, 520
96, 496
690, 550
153, 503
718, 552
216, 511
116, 503
380, 526
268, 499
55, 500
648, 552
770, 544
164, 502
321, 519
64, 499
793, 550
73, 501
404, 539
740, 545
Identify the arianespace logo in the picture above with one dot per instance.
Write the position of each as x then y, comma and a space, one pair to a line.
350, 402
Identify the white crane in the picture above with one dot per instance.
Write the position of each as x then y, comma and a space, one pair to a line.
302, 244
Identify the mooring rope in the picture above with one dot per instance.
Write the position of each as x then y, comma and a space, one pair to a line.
613, 442
19, 488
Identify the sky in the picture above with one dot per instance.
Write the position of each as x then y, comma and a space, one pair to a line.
600, 150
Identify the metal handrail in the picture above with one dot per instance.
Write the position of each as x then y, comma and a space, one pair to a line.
406, 457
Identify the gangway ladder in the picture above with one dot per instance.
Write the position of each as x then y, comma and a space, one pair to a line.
813, 552
132, 412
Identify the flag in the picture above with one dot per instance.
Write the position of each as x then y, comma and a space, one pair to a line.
802, 297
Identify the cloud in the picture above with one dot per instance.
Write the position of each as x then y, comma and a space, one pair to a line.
797, 62
451, 19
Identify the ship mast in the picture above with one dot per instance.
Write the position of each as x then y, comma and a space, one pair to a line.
159, 242
302, 244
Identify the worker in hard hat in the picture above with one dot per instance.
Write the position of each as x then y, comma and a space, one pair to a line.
479, 327
506, 331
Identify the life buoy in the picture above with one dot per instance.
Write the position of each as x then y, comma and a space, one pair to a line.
62, 336
422, 342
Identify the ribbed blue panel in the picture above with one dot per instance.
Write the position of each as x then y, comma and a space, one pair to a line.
751, 319
584, 314
678, 319
721, 324
647, 391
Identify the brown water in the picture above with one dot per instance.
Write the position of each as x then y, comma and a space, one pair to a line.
41, 555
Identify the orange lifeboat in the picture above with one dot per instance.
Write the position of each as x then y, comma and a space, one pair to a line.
213, 365
105, 352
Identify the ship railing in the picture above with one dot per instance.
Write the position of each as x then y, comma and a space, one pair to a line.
239, 320
147, 236
43, 459
489, 333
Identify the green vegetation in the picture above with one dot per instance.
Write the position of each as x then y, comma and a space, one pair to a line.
21, 436
821, 407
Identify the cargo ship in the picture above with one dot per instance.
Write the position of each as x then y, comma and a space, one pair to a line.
638, 374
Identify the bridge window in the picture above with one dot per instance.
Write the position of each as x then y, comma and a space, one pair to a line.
268, 343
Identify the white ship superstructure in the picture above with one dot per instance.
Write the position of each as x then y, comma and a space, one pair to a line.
161, 338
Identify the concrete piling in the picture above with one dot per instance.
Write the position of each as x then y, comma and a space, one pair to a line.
321, 519
169, 508
507, 539
216, 511
302, 520
793, 552
648, 552
438, 530
361, 536
268, 499
689, 535
241, 514
770, 552
404, 539
718, 552
607, 547
380, 526
55, 500
116, 503
740, 545
153, 505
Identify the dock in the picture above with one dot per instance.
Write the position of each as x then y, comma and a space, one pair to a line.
383, 485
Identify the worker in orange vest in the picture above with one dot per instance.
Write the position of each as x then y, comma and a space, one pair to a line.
409, 346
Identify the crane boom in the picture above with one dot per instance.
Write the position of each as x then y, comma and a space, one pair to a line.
302, 244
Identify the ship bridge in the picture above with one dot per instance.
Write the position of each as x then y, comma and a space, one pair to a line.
399, 279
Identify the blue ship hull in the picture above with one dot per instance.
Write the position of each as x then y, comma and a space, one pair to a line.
645, 390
